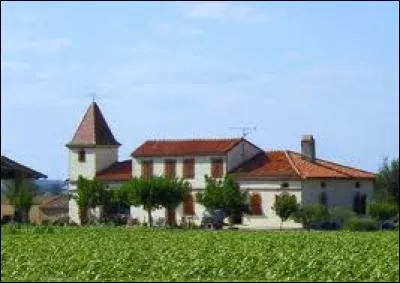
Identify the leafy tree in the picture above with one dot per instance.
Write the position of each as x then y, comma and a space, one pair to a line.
284, 206
20, 192
173, 191
224, 194
145, 192
89, 194
387, 181
307, 214
382, 210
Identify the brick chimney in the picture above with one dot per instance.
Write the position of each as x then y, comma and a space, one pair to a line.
308, 147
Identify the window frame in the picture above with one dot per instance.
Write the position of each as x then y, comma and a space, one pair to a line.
144, 163
81, 156
214, 162
172, 163
186, 162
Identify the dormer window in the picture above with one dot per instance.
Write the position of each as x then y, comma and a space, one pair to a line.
82, 155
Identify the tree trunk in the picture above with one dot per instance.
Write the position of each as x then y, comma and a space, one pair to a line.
83, 215
25, 215
280, 227
150, 218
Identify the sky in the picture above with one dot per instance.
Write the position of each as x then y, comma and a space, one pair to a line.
201, 70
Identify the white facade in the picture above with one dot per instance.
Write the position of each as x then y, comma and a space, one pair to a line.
202, 166
339, 192
96, 159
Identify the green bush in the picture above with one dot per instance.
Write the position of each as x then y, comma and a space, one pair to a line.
307, 214
361, 224
382, 210
341, 215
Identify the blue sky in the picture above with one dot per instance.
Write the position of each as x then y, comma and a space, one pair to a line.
198, 69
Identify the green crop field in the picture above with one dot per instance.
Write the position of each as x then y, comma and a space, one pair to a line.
140, 254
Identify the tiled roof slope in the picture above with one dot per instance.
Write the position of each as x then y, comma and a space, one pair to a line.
326, 169
118, 171
9, 166
291, 164
56, 202
267, 164
93, 130
185, 147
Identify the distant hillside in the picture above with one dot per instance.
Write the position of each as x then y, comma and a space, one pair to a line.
47, 186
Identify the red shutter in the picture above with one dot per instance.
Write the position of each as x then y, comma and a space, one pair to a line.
169, 168
188, 168
217, 169
147, 168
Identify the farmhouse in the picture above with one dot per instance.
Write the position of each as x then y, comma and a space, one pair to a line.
93, 153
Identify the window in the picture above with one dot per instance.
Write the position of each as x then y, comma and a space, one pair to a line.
285, 185
255, 204
147, 168
188, 168
360, 203
188, 205
323, 199
170, 168
363, 204
217, 169
323, 184
82, 155
357, 185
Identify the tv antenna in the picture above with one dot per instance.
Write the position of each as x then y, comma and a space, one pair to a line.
245, 130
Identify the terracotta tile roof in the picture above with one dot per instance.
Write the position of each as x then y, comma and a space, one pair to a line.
11, 168
185, 147
118, 171
56, 202
326, 169
267, 164
291, 164
93, 130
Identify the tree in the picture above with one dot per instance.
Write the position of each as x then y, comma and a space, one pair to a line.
382, 210
89, 194
307, 214
284, 206
387, 181
173, 191
20, 192
145, 192
225, 195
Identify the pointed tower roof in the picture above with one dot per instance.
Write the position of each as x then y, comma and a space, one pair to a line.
93, 130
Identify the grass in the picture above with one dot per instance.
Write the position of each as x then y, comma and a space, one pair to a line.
143, 254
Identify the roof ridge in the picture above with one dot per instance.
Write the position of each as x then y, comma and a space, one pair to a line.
292, 164
193, 139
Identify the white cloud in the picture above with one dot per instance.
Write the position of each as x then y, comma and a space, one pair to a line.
224, 11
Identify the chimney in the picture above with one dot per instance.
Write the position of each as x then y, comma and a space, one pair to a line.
308, 147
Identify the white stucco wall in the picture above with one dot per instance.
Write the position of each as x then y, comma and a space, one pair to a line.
87, 169
339, 193
267, 189
240, 153
202, 166
105, 157
96, 159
